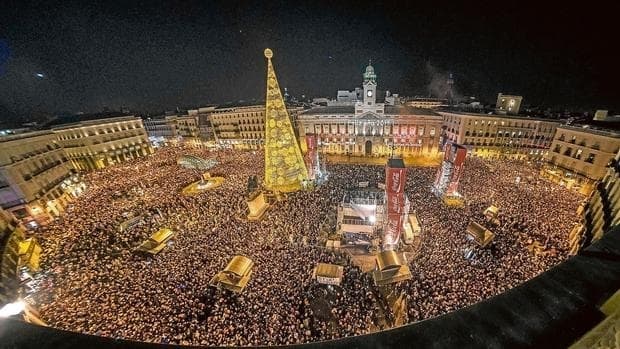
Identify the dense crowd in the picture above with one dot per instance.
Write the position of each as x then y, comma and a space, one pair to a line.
94, 283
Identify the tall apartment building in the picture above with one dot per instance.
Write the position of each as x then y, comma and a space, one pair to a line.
158, 127
240, 127
205, 129
99, 143
579, 156
193, 128
500, 136
602, 210
36, 177
184, 126
11, 235
508, 104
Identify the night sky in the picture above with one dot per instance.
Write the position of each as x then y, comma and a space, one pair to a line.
84, 56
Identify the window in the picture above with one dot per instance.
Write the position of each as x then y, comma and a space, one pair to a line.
591, 158
561, 138
432, 131
568, 151
557, 148
421, 131
578, 154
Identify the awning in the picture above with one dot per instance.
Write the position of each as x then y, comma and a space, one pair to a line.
239, 265
491, 211
329, 274
235, 276
481, 235
328, 270
156, 242
387, 260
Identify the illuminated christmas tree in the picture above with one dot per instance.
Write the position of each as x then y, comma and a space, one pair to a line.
285, 169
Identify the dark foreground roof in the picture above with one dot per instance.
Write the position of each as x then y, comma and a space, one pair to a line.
551, 311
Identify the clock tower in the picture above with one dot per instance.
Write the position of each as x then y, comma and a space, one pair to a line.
370, 86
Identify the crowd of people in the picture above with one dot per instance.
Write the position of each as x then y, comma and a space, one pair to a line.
94, 282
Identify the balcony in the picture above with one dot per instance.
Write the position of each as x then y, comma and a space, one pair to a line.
12, 203
45, 168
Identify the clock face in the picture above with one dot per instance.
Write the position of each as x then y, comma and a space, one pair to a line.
369, 93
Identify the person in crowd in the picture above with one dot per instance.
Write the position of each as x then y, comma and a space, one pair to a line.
94, 283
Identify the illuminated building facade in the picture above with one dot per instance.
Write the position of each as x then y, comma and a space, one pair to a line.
193, 128
508, 104
371, 128
449, 173
602, 210
11, 234
206, 133
95, 144
184, 126
426, 103
579, 156
500, 136
241, 126
158, 127
36, 176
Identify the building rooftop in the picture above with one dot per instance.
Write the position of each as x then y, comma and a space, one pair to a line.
408, 110
77, 119
389, 110
593, 130
494, 115
25, 135
344, 109
241, 104
396, 163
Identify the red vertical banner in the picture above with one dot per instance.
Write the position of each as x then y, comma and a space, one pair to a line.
458, 164
311, 155
392, 230
447, 152
395, 202
395, 180
440, 169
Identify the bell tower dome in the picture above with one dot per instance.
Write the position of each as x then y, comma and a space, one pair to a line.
370, 85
